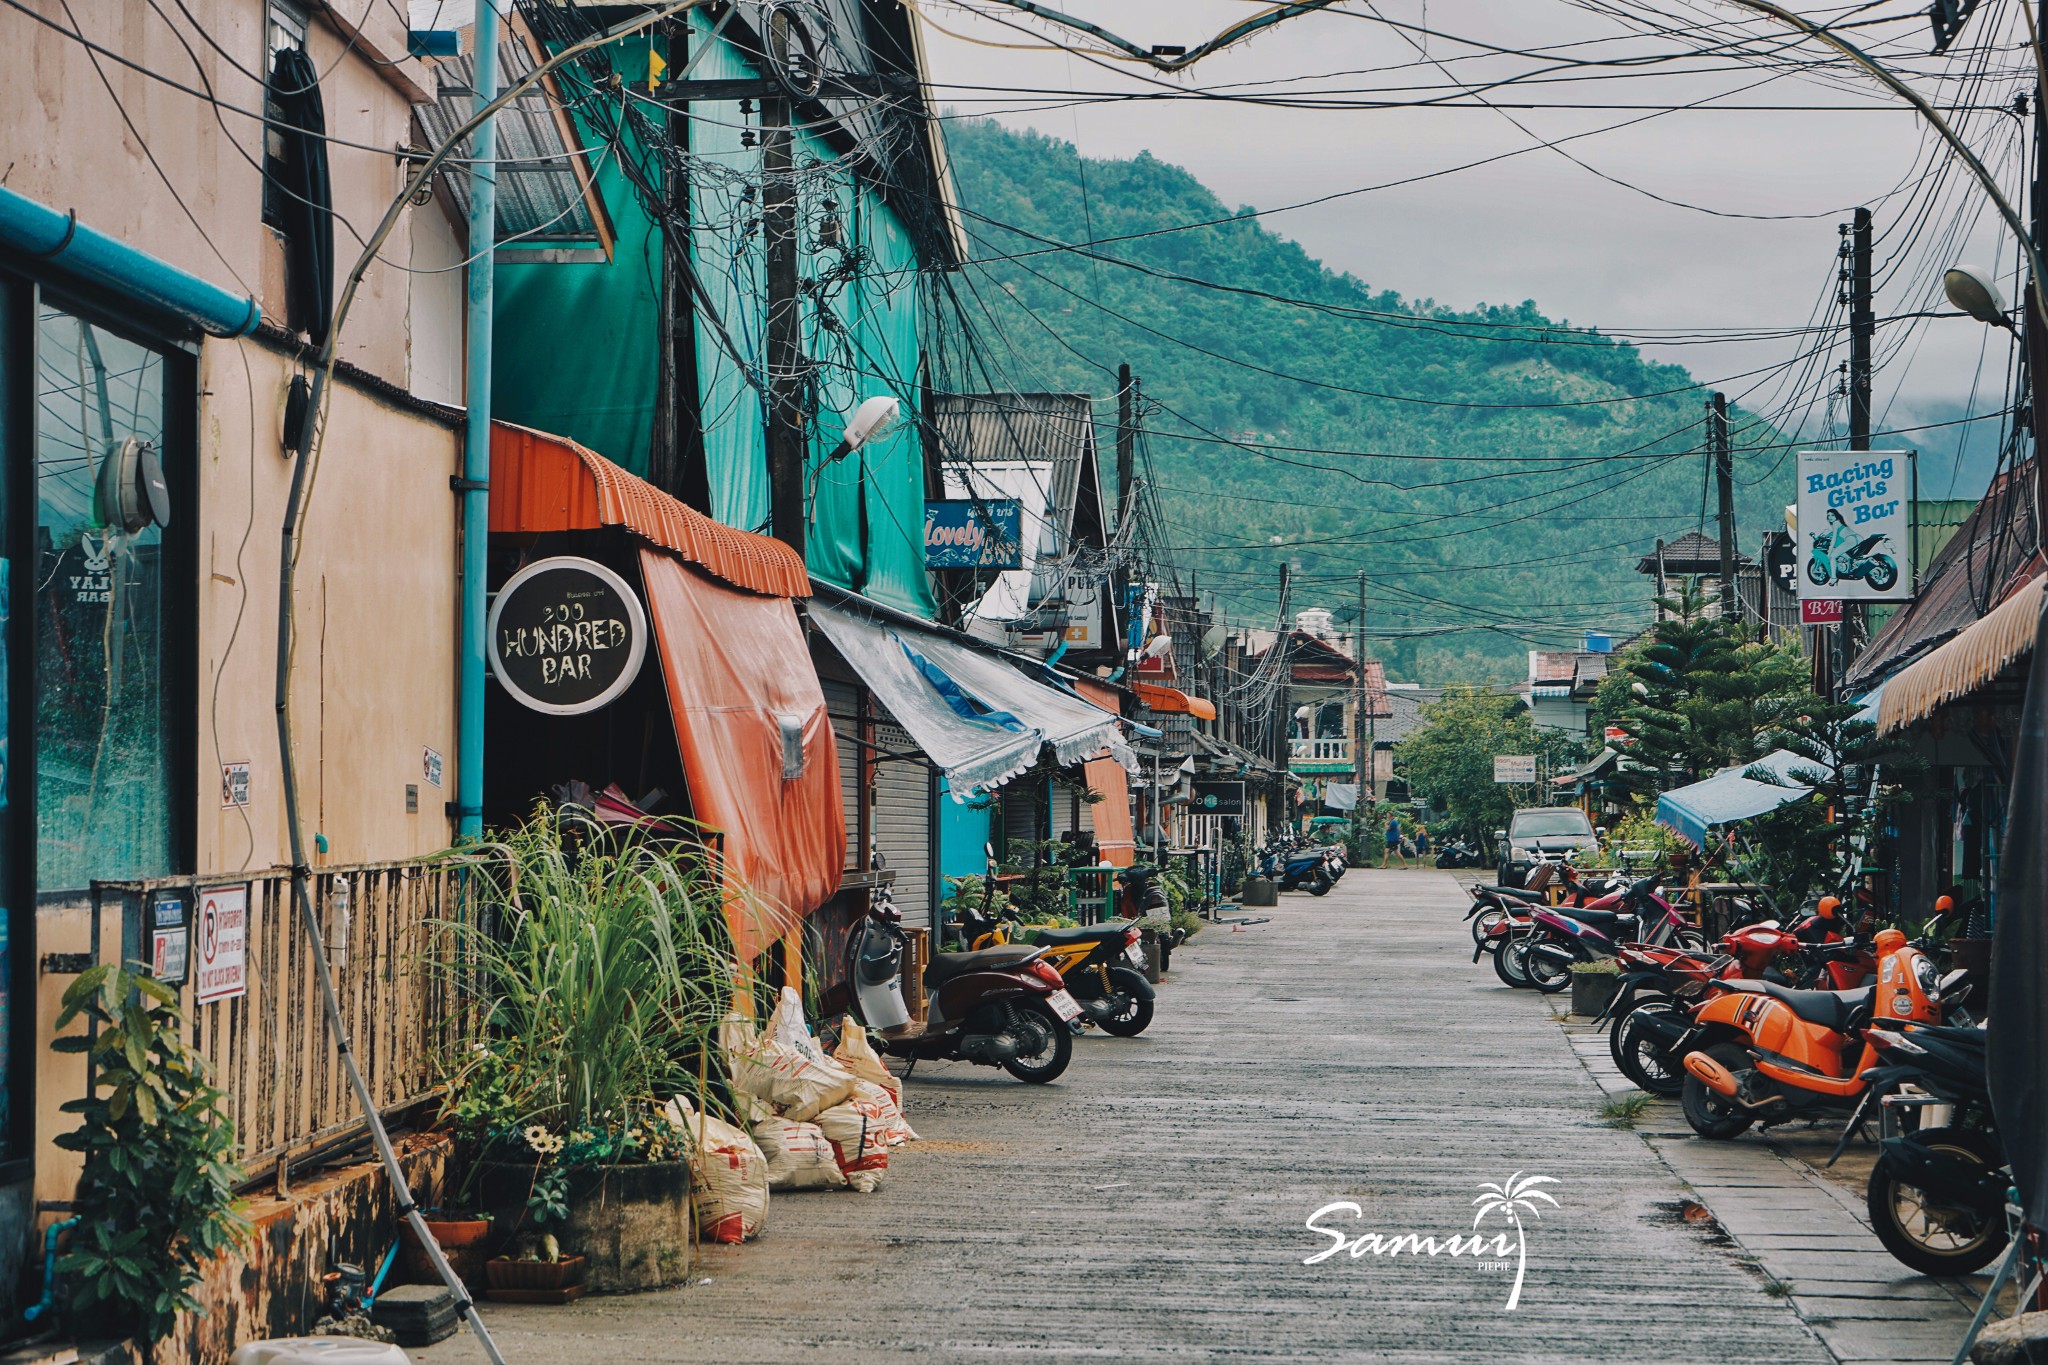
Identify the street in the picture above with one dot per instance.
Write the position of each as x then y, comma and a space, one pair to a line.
1151, 1204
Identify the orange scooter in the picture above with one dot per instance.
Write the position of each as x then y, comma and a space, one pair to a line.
1760, 1052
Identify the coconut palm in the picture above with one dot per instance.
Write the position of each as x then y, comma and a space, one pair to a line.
1514, 1197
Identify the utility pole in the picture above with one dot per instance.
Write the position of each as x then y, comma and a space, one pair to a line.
2034, 332
1283, 699
1724, 482
1126, 441
1361, 739
1862, 332
787, 436
676, 463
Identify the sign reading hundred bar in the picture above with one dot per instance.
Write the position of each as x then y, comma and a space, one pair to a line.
567, 635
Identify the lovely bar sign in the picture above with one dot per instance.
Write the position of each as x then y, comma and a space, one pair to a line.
968, 533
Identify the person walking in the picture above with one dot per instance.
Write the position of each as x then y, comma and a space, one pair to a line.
1393, 849
1421, 844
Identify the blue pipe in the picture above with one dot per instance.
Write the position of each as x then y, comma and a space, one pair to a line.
49, 1298
476, 456
36, 230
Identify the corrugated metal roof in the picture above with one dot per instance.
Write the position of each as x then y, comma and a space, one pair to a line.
1404, 713
1691, 553
1994, 552
1053, 430
540, 182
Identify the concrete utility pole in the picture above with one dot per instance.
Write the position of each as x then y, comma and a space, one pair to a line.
1724, 481
676, 464
2034, 330
787, 437
1361, 739
1126, 441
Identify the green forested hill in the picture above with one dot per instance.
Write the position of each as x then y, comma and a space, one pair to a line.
1527, 515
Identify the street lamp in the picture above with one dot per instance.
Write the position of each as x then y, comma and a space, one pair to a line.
874, 418
1972, 289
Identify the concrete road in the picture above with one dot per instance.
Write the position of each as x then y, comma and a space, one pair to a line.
1151, 1204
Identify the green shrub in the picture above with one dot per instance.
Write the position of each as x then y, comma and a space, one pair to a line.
156, 1201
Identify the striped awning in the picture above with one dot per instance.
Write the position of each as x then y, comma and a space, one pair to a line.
1965, 663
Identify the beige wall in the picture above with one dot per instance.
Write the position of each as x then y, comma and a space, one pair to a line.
68, 147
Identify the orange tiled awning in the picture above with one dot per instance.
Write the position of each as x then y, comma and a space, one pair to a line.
1162, 698
541, 482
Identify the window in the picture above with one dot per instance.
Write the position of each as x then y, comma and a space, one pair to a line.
284, 28
106, 721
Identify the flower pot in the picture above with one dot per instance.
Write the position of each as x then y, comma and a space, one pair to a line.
462, 1238
632, 1222
1592, 992
528, 1276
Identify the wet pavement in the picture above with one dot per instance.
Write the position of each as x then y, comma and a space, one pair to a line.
1151, 1204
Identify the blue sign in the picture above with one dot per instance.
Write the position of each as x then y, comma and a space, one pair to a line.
969, 534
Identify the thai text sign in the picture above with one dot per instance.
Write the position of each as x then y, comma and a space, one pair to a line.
566, 635
1856, 525
965, 533
221, 968
1514, 767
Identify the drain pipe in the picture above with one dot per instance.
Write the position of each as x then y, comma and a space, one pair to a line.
475, 482
49, 1298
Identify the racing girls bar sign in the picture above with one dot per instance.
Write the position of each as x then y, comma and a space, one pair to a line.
1855, 517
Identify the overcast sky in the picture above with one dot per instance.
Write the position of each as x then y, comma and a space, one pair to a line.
1536, 226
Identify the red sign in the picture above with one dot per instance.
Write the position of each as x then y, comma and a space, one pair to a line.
1820, 611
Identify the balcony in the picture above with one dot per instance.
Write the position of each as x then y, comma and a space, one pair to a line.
1319, 750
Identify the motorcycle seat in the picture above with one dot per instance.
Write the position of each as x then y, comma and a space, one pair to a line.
1597, 919
1514, 893
1829, 1009
946, 966
1087, 933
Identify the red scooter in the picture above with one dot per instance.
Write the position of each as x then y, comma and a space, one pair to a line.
997, 1007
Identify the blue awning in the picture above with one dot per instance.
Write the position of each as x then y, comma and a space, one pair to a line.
1729, 797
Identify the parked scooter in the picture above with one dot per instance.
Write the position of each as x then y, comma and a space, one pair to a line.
1758, 1051
998, 1007
1100, 964
1937, 1194
1456, 853
1297, 869
1564, 935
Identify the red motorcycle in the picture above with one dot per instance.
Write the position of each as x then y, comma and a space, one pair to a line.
997, 1007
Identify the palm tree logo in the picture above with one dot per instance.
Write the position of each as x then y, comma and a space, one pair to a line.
1514, 1197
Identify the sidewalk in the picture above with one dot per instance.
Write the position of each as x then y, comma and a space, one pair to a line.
1800, 1226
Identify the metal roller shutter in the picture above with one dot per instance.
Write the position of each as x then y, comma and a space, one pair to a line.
842, 702
903, 823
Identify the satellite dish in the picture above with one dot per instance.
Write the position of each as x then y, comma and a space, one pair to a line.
130, 492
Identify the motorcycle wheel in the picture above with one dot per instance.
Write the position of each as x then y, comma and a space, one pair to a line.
1319, 884
1134, 1014
1635, 1051
1546, 976
1818, 574
1692, 940
1509, 964
1055, 1045
1883, 573
1483, 922
1931, 1235
1712, 1114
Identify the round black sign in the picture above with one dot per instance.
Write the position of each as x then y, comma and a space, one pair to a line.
566, 635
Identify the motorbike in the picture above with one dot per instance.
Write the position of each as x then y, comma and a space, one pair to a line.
1861, 560
1100, 964
1004, 1007
1456, 853
1298, 870
1936, 1196
1560, 936
1758, 1051
1549, 883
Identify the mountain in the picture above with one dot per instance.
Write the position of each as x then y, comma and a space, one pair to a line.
1501, 471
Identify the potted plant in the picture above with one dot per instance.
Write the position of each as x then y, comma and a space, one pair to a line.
537, 1271
1594, 985
605, 964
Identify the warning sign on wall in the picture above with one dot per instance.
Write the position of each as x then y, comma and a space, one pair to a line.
220, 965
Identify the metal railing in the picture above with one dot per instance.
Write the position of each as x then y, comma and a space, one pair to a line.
1320, 750
267, 1046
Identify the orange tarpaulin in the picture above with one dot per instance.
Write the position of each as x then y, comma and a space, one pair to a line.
1111, 816
756, 744
1162, 698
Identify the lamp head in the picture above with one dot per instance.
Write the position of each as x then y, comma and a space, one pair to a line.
874, 418
1974, 290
